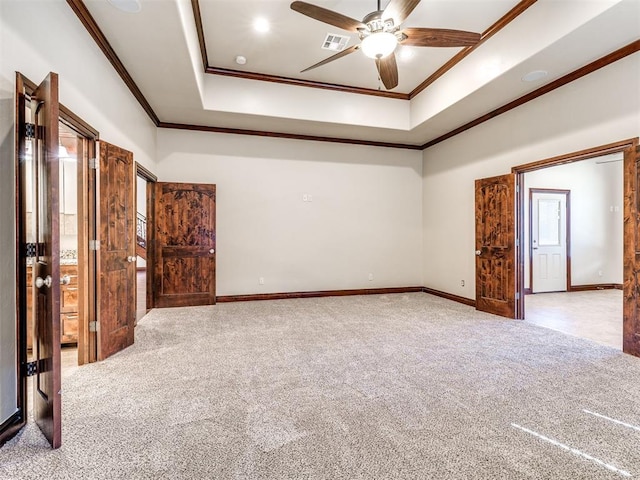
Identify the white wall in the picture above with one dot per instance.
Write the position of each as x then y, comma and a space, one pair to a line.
365, 215
596, 215
37, 37
600, 108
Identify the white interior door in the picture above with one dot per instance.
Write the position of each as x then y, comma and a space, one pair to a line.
548, 242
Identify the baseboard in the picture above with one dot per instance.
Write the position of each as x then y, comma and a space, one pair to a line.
595, 286
316, 294
450, 296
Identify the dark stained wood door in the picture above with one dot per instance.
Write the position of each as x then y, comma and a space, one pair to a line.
495, 245
631, 287
117, 250
183, 253
46, 266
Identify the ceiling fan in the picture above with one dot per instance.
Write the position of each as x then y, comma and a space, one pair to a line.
380, 34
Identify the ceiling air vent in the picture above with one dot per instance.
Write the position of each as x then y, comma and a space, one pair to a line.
335, 42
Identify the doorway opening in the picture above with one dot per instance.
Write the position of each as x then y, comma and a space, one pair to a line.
549, 242
584, 195
144, 199
141, 247
74, 149
55, 201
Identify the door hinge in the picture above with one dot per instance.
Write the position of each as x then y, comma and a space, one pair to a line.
30, 369
517, 295
517, 188
93, 163
29, 131
517, 242
94, 245
93, 326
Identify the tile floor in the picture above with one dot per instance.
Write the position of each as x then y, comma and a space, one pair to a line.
595, 315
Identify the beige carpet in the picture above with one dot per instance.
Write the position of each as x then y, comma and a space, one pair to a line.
372, 387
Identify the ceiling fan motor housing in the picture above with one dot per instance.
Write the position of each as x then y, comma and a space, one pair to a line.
375, 23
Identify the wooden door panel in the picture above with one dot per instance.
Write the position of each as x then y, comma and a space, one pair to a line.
495, 245
185, 240
46, 267
117, 268
631, 235
185, 275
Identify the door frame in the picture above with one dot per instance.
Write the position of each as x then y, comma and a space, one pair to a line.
87, 339
150, 179
567, 218
25, 88
627, 147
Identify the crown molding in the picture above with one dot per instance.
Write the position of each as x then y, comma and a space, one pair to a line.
291, 136
212, 70
612, 57
506, 19
92, 27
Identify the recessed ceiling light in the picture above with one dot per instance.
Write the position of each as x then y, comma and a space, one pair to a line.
240, 60
535, 75
261, 25
129, 6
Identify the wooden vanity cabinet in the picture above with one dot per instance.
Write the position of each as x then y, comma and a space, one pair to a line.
68, 307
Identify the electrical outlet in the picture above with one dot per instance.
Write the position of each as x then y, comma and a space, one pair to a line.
305, 197
462, 283
371, 277
261, 280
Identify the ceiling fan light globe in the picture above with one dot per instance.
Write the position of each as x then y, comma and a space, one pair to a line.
379, 44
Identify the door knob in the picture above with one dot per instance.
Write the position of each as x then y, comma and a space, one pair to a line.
65, 280
131, 259
40, 282
212, 251
478, 252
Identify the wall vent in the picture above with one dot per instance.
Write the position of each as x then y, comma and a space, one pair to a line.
334, 42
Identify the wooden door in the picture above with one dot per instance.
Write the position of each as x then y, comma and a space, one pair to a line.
46, 264
631, 287
117, 250
495, 245
183, 253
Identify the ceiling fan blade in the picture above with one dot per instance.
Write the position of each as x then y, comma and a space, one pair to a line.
399, 10
439, 37
388, 70
338, 55
327, 16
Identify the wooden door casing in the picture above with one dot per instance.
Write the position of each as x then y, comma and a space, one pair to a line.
631, 228
495, 245
46, 266
183, 256
117, 266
